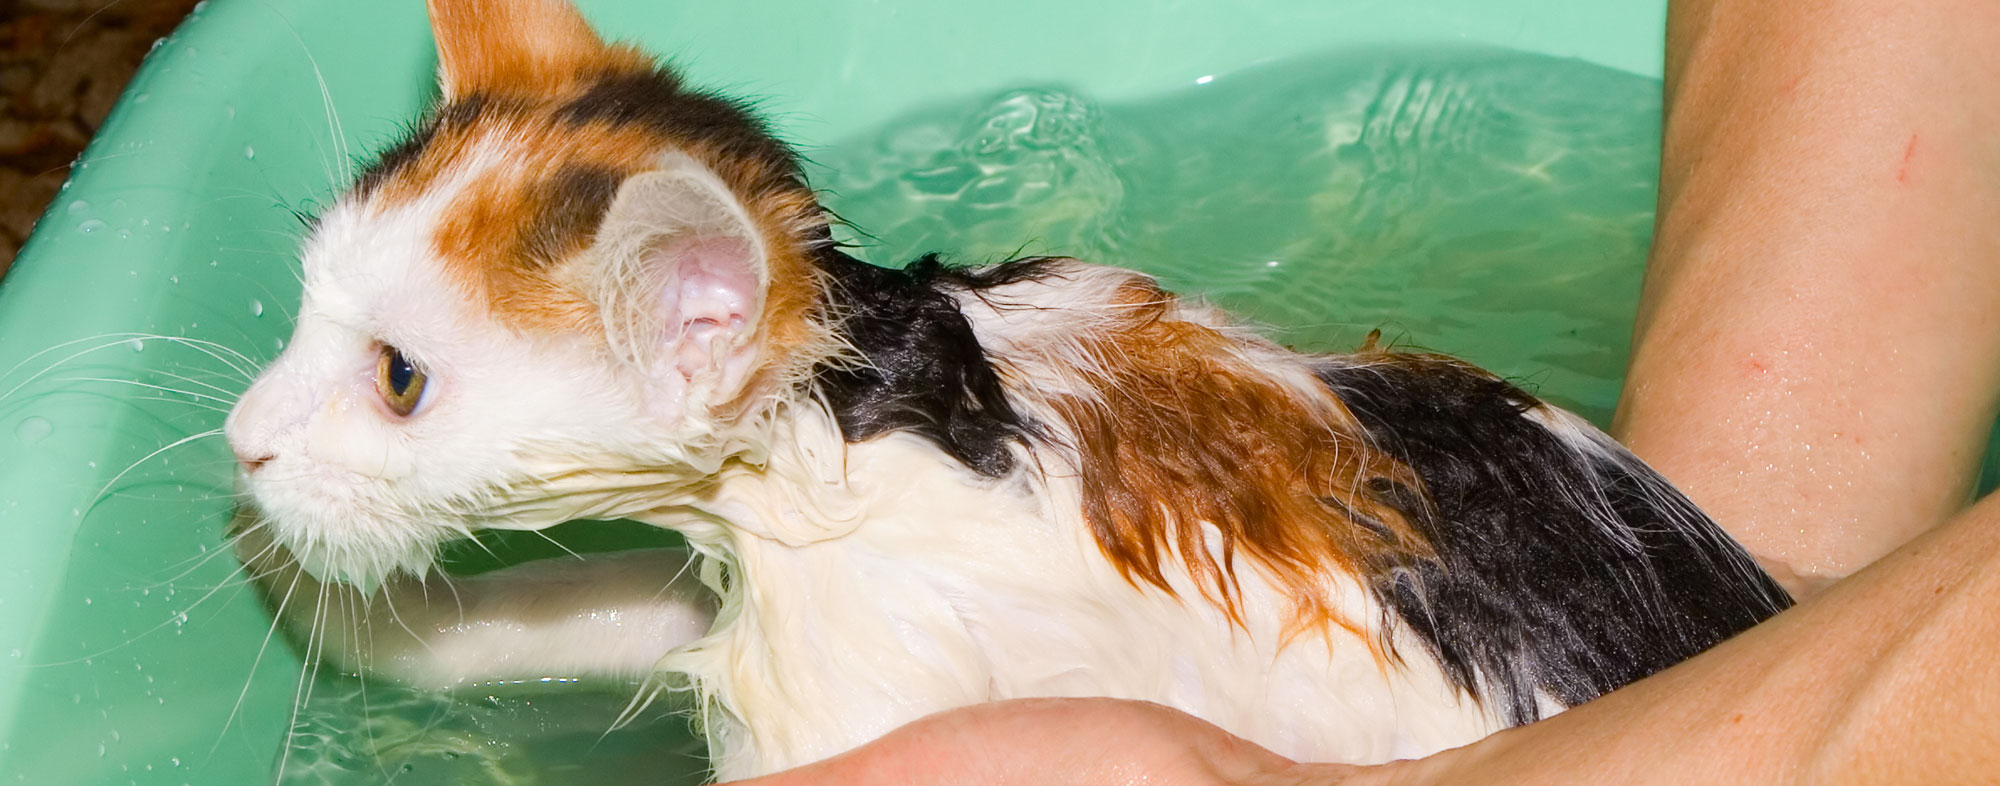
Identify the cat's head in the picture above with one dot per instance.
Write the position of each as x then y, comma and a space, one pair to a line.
574, 284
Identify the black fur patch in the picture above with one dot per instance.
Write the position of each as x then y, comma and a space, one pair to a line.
658, 100
574, 202
405, 151
1531, 592
924, 371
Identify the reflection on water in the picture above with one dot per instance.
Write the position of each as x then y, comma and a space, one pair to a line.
353, 731
1487, 204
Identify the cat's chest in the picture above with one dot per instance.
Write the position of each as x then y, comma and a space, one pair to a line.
946, 594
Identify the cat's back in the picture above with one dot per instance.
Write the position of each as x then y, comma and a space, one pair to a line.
1346, 558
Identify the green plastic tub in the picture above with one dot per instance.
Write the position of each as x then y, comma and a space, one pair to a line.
129, 652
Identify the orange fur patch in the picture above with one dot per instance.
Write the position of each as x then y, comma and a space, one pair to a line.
519, 47
512, 72
1183, 432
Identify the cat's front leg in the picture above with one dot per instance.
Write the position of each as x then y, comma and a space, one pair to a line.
610, 615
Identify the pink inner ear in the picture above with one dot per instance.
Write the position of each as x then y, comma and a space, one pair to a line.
709, 298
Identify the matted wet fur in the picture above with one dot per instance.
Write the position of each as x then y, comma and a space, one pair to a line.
584, 289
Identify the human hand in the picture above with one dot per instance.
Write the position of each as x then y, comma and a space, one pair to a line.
1062, 742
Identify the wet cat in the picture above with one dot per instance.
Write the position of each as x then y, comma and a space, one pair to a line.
584, 289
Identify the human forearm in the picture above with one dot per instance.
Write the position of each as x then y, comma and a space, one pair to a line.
1820, 335
1885, 678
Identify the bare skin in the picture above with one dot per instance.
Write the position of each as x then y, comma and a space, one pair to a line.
1817, 356
1817, 362
1885, 678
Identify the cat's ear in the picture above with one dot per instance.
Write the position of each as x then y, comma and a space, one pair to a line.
679, 275
511, 45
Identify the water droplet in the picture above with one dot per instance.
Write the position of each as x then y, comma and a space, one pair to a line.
249, 152
86, 601
1202, 80
229, 111
89, 226
124, 233
33, 429
141, 98
173, 279
256, 308
198, 8
138, 345
78, 207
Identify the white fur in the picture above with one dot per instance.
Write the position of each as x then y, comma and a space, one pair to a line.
861, 586
514, 430
947, 591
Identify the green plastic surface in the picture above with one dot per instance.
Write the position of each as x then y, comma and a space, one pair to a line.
178, 221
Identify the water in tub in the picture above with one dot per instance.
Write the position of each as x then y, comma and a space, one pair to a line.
1493, 205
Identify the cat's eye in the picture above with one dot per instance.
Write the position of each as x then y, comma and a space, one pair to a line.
399, 381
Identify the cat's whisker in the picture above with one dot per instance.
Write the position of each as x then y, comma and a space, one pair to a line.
244, 365
169, 400
458, 601
287, 257
678, 574
289, 234
649, 691
277, 618
474, 538
231, 394
101, 493
228, 547
226, 491
108, 341
389, 600
363, 634
308, 673
556, 543
220, 403
337, 134
178, 617
282, 302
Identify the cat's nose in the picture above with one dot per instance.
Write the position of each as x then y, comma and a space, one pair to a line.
252, 460
247, 438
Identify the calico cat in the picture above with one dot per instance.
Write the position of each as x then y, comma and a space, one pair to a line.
581, 288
